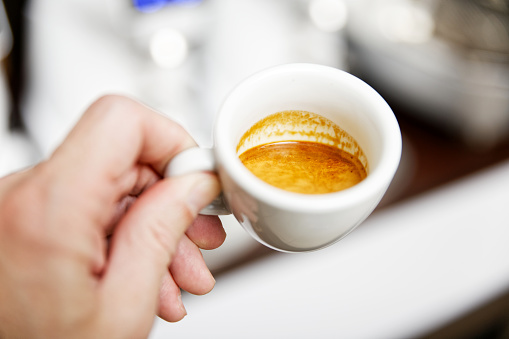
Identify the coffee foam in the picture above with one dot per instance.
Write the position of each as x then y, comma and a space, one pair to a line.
294, 125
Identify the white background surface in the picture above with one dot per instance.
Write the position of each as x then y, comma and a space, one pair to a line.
407, 270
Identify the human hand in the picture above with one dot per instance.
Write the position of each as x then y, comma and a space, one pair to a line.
93, 241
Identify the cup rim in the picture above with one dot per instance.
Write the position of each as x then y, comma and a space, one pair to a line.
374, 184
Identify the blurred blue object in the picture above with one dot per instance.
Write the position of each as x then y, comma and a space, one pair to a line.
155, 5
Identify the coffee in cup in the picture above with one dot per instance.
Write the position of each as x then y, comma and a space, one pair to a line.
302, 152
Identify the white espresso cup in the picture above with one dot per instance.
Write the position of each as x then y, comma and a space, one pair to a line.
280, 219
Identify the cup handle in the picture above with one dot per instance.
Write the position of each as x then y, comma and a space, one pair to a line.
197, 159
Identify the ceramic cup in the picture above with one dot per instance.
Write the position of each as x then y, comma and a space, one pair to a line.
279, 219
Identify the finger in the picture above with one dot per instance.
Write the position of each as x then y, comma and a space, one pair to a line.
189, 270
171, 307
146, 239
132, 131
207, 232
145, 178
135, 136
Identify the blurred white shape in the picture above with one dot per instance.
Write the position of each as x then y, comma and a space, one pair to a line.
406, 22
168, 48
328, 15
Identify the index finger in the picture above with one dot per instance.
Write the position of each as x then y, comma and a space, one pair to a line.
117, 132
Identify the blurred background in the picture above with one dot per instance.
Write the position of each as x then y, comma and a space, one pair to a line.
442, 65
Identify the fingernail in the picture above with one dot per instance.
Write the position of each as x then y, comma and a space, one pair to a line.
182, 307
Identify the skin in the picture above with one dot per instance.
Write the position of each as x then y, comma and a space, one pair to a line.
93, 241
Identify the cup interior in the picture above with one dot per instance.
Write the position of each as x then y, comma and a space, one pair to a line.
331, 93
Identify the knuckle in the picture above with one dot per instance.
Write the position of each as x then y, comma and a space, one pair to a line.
110, 100
115, 105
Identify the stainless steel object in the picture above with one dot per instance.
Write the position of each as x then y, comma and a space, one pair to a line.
448, 60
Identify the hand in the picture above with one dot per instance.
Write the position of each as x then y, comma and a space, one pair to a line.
93, 241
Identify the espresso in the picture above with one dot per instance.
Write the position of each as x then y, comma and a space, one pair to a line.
302, 152
304, 167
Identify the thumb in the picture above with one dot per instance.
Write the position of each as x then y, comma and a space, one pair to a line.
146, 239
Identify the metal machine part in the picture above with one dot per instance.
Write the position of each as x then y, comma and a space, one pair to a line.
448, 60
